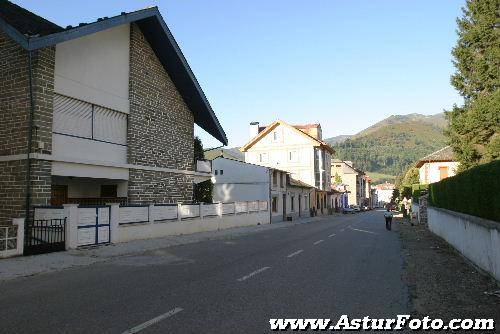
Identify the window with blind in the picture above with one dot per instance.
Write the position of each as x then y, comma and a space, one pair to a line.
85, 120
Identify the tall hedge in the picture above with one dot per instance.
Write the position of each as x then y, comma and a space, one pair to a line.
475, 192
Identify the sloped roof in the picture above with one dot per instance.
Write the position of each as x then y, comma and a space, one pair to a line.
273, 125
444, 154
33, 32
26, 22
297, 183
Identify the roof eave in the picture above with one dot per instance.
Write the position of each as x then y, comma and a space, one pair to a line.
213, 126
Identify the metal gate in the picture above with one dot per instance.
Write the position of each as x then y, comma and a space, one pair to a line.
94, 226
44, 236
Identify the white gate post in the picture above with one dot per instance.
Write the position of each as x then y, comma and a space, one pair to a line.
71, 213
114, 222
219, 214
20, 235
179, 211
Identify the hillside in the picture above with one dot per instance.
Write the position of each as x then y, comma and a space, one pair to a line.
391, 145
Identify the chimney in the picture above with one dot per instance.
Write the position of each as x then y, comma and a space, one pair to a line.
254, 129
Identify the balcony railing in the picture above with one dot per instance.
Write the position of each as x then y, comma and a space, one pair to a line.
97, 200
204, 166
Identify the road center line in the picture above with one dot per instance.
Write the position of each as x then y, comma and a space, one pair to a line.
258, 271
318, 242
295, 253
332, 235
153, 321
365, 231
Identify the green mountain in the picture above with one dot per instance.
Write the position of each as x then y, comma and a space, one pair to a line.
391, 145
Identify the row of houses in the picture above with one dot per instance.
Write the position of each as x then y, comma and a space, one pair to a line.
103, 114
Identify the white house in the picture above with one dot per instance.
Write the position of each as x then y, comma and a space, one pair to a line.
236, 180
239, 181
437, 166
297, 149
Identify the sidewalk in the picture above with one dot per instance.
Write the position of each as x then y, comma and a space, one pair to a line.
32, 265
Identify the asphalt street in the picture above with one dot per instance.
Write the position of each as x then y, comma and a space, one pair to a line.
339, 265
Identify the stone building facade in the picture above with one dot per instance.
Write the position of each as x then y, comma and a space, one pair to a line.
153, 163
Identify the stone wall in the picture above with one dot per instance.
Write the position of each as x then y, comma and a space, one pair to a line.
160, 129
14, 115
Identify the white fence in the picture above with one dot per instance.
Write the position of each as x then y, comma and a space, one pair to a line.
12, 238
115, 223
476, 238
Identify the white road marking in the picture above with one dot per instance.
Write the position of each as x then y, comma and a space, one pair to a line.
356, 229
318, 242
258, 271
332, 235
295, 253
153, 321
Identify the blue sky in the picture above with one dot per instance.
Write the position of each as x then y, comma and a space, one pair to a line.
345, 64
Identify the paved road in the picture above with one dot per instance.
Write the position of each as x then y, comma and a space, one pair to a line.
339, 265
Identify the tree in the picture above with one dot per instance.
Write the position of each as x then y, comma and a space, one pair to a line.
412, 176
474, 128
202, 192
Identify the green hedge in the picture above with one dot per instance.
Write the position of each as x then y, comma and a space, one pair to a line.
416, 191
475, 192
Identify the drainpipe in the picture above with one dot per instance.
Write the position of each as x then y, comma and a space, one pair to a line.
30, 137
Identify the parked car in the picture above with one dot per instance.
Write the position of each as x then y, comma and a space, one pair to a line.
347, 210
356, 208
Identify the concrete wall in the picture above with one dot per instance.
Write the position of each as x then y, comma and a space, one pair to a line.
239, 181
476, 238
177, 227
429, 172
95, 68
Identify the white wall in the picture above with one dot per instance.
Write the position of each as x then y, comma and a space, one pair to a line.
429, 172
384, 195
477, 239
95, 68
66, 147
239, 181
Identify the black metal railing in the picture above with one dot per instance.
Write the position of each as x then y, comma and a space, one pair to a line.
44, 236
97, 200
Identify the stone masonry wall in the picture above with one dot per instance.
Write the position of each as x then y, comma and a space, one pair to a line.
160, 129
14, 113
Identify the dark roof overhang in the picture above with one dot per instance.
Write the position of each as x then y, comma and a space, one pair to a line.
162, 42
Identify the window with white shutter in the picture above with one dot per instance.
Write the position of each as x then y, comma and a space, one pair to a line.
85, 120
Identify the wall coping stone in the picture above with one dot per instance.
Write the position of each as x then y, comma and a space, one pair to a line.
490, 224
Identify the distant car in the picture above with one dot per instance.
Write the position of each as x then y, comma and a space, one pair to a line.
366, 208
348, 210
356, 208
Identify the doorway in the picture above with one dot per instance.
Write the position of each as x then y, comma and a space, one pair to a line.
284, 207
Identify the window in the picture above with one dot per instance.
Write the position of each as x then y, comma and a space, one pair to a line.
216, 172
275, 204
293, 156
86, 120
109, 190
443, 172
275, 178
263, 157
276, 135
292, 203
282, 180
221, 172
